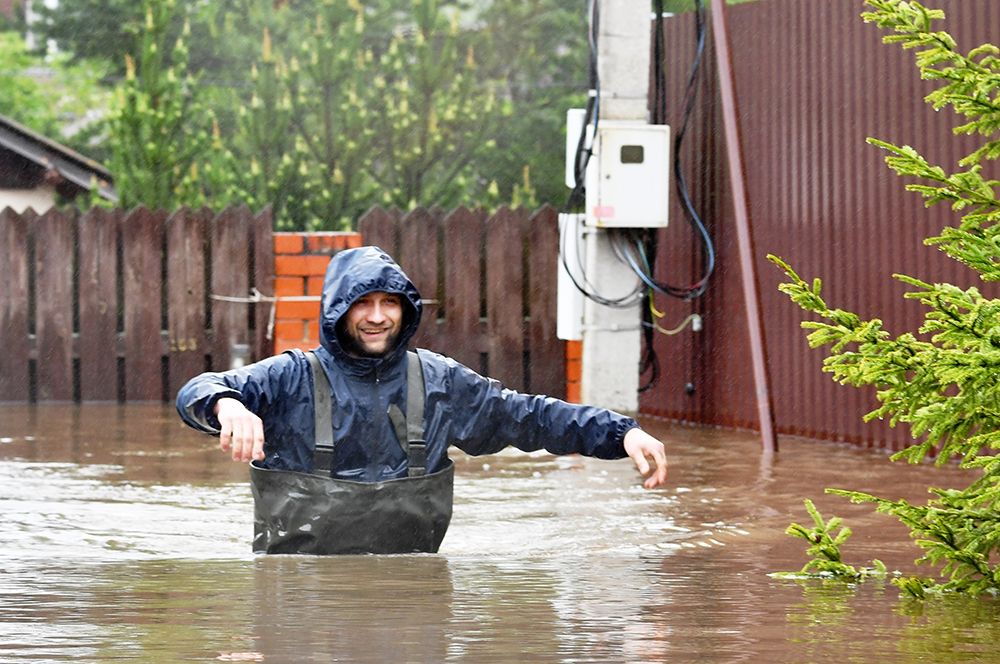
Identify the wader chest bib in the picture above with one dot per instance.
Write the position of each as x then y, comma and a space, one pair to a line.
314, 513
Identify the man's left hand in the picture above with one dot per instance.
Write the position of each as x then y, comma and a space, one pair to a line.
641, 447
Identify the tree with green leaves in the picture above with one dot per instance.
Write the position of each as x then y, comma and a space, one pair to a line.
355, 115
442, 103
53, 97
159, 132
536, 51
306, 132
433, 129
824, 547
941, 381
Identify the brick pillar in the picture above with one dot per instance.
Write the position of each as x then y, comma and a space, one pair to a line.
574, 365
300, 261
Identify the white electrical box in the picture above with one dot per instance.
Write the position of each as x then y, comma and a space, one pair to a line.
569, 299
574, 127
628, 177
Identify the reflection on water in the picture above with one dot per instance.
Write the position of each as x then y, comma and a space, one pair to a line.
126, 536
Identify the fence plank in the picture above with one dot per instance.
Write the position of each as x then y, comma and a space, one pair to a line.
547, 359
263, 281
504, 298
380, 227
54, 311
463, 238
14, 372
142, 273
98, 341
230, 277
418, 256
186, 340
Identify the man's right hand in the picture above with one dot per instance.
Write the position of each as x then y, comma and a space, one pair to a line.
242, 432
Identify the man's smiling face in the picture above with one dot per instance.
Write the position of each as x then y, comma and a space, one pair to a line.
373, 323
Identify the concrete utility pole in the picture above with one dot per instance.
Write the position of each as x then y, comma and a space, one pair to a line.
611, 336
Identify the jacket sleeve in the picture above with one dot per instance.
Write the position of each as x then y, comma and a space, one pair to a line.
255, 385
480, 416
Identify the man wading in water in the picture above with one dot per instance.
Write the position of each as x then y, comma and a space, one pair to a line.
348, 443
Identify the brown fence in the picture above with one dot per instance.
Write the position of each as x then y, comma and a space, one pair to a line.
119, 306
490, 282
115, 305
812, 82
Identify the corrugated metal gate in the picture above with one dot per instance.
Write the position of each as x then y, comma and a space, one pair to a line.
813, 82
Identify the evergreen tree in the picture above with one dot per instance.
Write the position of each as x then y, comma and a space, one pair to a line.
434, 131
471, 94
159, 130
306, 132
536, 50
52, 96
942, 384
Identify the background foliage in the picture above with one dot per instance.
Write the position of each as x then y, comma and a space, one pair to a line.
51, 95
323, 108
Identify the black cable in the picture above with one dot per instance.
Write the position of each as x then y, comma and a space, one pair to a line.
592, 113
659, 111
642, 258
580, 162
622, 302
697, 288
650, 361
690, 94
646, 241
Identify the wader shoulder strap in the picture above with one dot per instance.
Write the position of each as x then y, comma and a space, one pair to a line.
410, 430
323, 406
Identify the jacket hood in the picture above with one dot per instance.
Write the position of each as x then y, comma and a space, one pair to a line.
351, 274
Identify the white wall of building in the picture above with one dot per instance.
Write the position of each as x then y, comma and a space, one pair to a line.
39, 199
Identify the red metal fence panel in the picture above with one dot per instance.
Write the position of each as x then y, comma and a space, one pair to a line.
813, 82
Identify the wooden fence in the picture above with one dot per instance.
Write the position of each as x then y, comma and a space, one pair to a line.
115, 305
491, 285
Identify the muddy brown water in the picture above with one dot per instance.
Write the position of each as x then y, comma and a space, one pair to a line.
125, 536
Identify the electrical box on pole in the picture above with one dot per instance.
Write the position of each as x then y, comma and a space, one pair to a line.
625, 186
628, 176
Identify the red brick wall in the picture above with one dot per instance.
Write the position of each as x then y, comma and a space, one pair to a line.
300, 261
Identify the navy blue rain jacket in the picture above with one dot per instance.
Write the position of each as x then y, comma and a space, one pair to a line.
462, 408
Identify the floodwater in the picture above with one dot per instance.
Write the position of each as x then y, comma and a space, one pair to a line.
125, 536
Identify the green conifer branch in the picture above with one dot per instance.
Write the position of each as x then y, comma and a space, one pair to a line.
941, 380
824, 547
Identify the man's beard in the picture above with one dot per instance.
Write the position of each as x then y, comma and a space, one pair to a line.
353, 347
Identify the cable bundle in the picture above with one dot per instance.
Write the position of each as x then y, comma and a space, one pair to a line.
638, 248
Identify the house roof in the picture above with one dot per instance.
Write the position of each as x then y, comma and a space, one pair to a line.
56, 159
